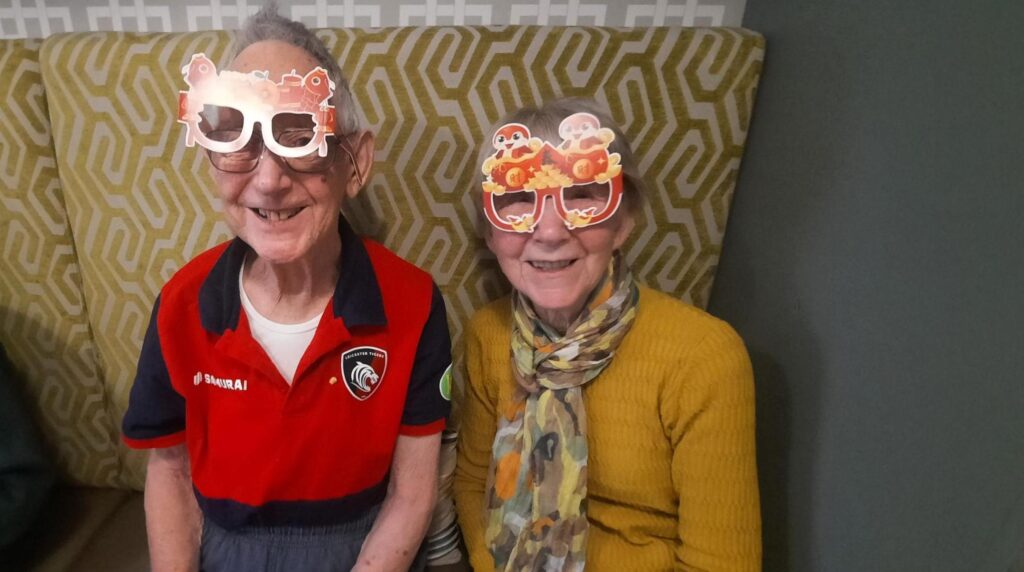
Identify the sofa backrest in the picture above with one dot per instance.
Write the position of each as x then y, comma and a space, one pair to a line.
140, 204
43, 321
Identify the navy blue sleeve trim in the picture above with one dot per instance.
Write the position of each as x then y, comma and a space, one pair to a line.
428, 399
155, 408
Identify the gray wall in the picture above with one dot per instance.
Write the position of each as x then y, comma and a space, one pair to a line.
873, 263
40, 18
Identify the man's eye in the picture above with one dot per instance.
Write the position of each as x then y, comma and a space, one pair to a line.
298, 138
226, 135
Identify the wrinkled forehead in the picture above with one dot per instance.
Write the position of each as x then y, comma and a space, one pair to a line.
275, 57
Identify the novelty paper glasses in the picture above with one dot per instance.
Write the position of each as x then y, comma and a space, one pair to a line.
582, 179
221, 109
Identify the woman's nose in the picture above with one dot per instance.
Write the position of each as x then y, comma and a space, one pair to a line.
550, 227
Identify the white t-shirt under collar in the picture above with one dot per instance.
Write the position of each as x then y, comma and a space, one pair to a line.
284, 343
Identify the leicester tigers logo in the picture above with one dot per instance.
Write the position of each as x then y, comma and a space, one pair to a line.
362, 369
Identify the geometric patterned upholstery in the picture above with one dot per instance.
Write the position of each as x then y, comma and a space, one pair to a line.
137, 200
43, 321
140, 204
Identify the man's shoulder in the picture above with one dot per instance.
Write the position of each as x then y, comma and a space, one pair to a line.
390, 266
188, 279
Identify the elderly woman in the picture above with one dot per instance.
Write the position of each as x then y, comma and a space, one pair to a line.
603, 423
288, 381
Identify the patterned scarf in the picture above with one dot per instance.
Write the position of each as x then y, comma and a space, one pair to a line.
537, 484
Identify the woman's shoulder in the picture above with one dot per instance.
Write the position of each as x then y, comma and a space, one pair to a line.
488, 332
493, 318
703, 356
673, 319
682, 337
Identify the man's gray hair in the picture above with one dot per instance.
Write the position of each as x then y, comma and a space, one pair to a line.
267, 24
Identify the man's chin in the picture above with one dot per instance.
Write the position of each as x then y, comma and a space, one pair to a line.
279, 252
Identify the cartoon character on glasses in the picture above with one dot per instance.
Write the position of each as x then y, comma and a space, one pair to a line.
581, 177
240, 100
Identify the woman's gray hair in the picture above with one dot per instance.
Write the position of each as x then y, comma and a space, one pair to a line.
267, 24
543, 122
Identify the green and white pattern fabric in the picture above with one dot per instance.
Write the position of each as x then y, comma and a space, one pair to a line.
43, 320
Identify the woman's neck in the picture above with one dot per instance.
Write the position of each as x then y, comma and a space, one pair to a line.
559, 320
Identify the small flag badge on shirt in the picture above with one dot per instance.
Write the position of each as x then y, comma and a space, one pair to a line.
445, 384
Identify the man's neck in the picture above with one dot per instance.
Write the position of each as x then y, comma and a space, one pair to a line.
296, 291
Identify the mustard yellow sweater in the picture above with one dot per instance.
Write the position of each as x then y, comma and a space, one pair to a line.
672, 480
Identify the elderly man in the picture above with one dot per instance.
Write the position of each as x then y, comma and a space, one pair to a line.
289, 385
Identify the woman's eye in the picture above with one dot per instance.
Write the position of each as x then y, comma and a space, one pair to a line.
586, 194
514, 202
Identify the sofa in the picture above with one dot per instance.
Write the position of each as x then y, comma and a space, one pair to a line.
102, 202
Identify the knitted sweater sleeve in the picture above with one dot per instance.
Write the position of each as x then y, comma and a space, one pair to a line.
478, 420
708, 408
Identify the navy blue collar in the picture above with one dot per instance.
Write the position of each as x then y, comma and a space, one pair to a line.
357, 299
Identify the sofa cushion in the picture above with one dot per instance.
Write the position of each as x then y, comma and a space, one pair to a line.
140, 203
43, 321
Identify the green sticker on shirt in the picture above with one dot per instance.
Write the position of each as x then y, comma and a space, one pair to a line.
446, 384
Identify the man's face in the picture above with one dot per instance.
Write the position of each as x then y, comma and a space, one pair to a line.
282, 214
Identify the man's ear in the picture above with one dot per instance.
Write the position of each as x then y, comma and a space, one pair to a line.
363, 151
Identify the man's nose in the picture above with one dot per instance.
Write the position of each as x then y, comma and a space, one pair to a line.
272, 174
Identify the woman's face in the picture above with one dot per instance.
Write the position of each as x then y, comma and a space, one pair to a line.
282, 214
557, 268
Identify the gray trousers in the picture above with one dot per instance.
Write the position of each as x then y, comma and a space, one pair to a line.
288, 549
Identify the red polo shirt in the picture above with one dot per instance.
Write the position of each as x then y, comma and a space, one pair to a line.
317, 451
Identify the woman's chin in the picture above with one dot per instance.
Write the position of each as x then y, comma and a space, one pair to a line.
557, 310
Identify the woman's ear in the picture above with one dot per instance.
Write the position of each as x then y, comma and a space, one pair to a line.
626, 223
362, 151
488, 234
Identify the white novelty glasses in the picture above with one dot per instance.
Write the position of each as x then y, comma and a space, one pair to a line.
220, 111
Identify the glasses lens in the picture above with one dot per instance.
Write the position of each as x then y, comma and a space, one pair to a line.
223, 124
241, 161
591, 198
295, 131
514, 204
222, 120
313, 162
